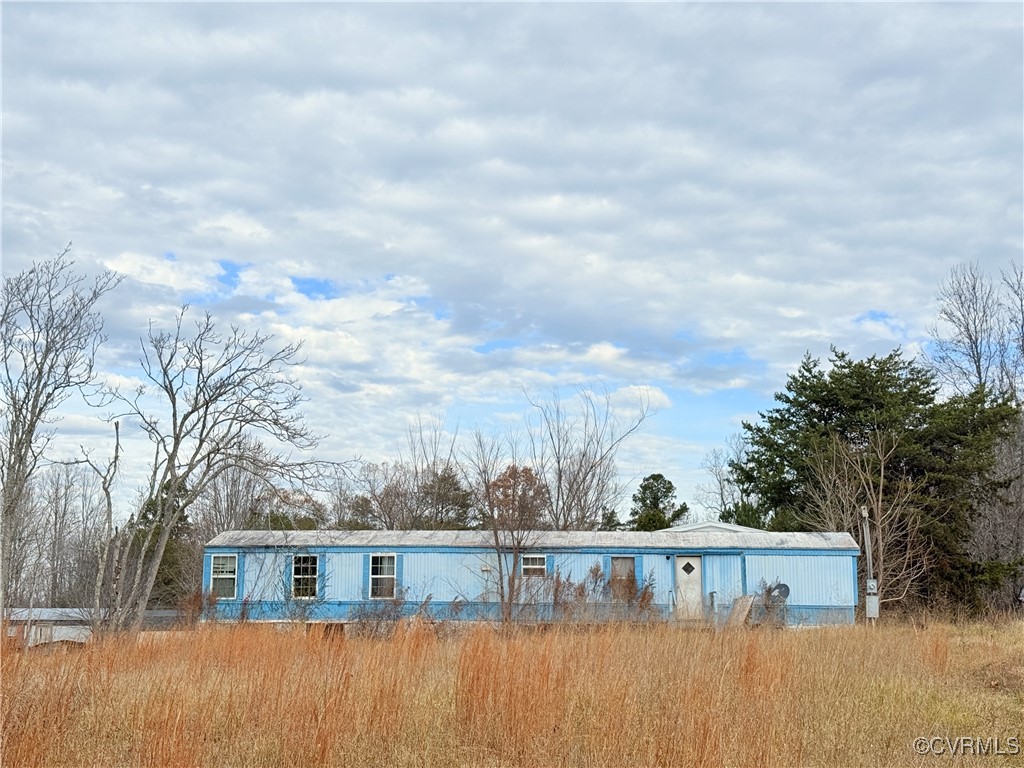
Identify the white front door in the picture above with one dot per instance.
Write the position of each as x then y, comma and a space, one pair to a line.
689, 592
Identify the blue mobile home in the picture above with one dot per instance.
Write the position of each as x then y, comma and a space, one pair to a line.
689, 573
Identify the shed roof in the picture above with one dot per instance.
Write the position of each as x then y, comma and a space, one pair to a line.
633, 540
43, 615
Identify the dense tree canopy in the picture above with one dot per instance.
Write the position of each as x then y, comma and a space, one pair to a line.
654, 505
943, 449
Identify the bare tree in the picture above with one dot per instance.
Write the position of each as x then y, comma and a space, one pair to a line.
232, 499
997, 530
847, 478
342, 500
422, 490
721, 494
980, 342
573, 451
70, 505
78, 555
26, 550
969, 307
50, 330
440, 499
214, 393
510, 500
107, 545
385, 496
1012, 303
979, 339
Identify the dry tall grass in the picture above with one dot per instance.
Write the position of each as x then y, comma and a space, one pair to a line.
612, 696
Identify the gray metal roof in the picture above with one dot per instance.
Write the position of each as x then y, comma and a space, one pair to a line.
83, 615
50, 615
748, 538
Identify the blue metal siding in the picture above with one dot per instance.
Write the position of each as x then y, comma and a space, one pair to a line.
364, 590
723, 576
342, 572
239, 576
207, 572
576, 566
813, 580
444, 577
266, 575
823, 584
662, 570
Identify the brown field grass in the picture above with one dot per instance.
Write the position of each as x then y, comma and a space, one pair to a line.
612, 696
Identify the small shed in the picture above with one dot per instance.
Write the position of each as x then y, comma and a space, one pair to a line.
693, 573
40, 626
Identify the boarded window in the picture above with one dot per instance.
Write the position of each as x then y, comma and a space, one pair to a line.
305, 569
224, 576
535, 565
382, 577
623, 578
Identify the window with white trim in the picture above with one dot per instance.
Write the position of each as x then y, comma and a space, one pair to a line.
305, 570
382, 577
224, 576
535, 565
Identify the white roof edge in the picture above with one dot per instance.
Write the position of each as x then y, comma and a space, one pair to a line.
713, 538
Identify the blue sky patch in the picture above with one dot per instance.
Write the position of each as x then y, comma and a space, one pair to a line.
229, 273
877, 317
314, 288
874, 316
494, 345
725, 358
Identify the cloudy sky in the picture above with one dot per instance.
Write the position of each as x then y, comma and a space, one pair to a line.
453, 203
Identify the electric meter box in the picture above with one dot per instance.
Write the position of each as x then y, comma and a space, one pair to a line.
871, 607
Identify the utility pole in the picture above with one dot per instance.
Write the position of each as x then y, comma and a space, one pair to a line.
871, 597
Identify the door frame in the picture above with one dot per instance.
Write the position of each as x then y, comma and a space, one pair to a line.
688, 610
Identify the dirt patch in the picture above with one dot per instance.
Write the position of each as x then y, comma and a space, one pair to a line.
1001, 675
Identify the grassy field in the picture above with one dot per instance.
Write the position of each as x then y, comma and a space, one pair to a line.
613, 696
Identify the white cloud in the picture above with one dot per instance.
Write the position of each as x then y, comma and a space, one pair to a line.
184, 276
685, 198
234, 226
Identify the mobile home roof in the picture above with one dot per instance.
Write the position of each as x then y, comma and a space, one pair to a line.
633, 540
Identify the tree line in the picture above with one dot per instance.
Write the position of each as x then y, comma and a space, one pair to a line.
931, 450
231, 448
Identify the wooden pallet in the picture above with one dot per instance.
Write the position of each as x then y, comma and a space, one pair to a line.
740, 611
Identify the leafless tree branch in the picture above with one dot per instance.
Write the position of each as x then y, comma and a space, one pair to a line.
50, 331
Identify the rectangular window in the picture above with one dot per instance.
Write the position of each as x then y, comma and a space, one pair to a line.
535, 565
305, 569
382, 577
623, 578
224, 576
